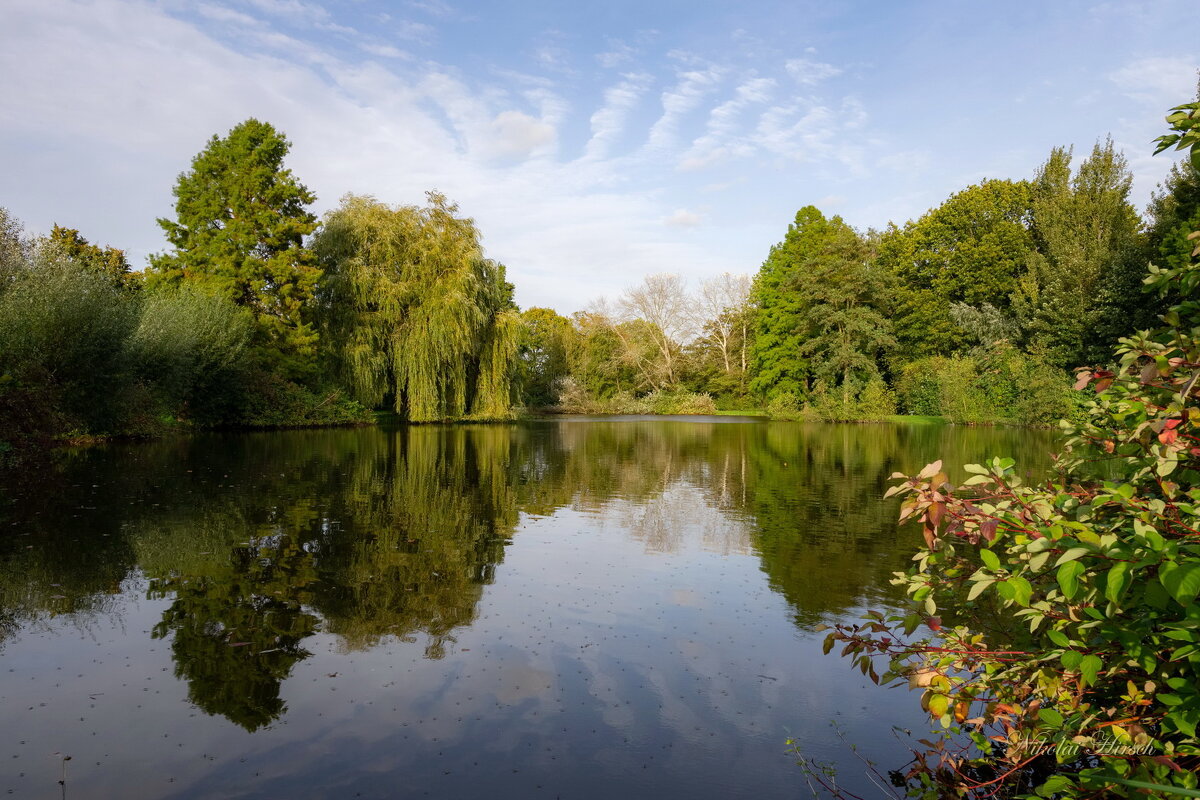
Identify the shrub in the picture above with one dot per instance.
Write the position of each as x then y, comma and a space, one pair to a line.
64, 327
678, 402
273, 401
189, 345
785, 405
875, 401
1073, 667
998, 384
573, 398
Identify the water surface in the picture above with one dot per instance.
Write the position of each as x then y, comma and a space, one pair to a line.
562, 608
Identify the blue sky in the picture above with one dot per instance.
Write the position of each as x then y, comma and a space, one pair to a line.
593, 142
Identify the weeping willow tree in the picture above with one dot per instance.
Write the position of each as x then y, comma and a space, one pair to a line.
414, 314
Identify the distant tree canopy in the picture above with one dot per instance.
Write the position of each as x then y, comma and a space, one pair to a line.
258, 315
413, 312
1082, 286
108, 261
971, 249
777, 365
543, 356
1005, 283
816, 315
240, 228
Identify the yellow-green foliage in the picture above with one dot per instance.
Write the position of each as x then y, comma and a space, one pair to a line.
414, 312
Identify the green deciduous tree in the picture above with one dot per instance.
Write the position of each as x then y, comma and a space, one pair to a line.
108, 261
64, 327
599, 359
1175, 207
415, 314
542, 358
240, 228
189, 346
14, 249
1084, 279
972, 249
1072, 666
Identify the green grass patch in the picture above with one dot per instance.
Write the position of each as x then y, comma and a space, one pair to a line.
917, 419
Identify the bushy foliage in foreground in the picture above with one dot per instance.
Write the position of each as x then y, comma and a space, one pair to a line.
1064, 659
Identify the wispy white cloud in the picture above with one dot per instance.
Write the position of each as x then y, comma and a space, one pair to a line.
808, 72
436, 8
516, 134
685, 97
720, 139
618, 54
609, 121
682, 218
1158, 77
384, 50
817, 134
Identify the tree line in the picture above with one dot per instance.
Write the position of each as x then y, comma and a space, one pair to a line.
1052, 625
978, 311
260, 314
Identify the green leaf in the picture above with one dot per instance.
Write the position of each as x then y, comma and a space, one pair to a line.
1117, 580
990, 559
1089, 668
1022, 591
1070, 659
1005, 590
978, 588
1068, 578
1051, 717
1072, 554
1058, 637
1181, 581
1054, 785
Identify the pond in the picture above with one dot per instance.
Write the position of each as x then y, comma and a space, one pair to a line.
570, 608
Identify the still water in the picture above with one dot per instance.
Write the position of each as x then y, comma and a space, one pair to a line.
561, 609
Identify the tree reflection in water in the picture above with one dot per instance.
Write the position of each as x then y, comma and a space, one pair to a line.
258, 541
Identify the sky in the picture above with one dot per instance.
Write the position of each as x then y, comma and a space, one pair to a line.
593, 142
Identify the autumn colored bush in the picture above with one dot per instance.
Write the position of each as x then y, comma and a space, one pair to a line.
1055, 628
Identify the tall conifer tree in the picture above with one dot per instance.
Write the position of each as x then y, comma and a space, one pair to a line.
240, 228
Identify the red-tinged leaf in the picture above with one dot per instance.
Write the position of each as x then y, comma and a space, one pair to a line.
1149, 373
1085, 377
1103, 384
934, 623
987, 529
936, 512
1168, 436
930, 538
1166, 762
930, 470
